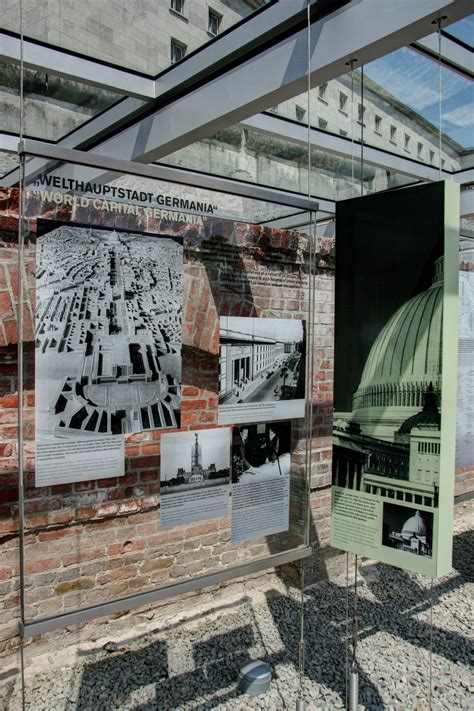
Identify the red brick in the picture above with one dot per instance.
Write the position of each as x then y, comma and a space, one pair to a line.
132, 450
205, 340
204, 299
148, 502
127, 547
208, 417
9, 401
109, 509
107, 483
150, 476
86, 512
11, 331
5, 450
145, 462
152, 448
8, 417
38, 565
6, 308
201, 529
190, 311
61, 489
190, 391
56, 534
82, 556
187, 405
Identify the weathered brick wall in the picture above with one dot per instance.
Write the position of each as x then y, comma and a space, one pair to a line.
90, 542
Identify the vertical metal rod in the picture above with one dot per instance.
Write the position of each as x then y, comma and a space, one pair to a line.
22, 69
354, 689
347, 630
308, 90
354, 675
351, 64
21, 488
362, 131
430, 695
309, 325
440, 117
300, 702
301, 643
21, 493
354, 619
352, 125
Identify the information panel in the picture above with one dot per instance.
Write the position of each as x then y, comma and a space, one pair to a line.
395, 376
108, 345
465, 409
165, 428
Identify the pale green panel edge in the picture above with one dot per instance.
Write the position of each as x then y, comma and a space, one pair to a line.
449, 377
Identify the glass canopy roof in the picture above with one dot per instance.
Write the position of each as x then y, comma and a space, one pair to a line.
463, 30
145, 37
400, 112
413, 79
54, 106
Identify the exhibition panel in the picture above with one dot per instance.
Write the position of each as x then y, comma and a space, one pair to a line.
395, 363
465, 370
167, 378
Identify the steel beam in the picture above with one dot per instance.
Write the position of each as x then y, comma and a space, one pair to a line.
225, 49
8, 143
43, 57
276, 127
453, 54
57, 154
35, 627
464, 177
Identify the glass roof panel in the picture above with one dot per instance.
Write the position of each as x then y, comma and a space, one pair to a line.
8, 162
53, 106
143, 36
463, 30
400, 109
412, 79
251, 156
